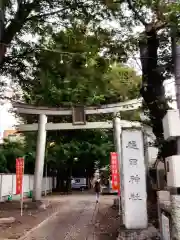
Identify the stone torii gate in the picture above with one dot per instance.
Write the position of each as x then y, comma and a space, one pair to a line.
79, 122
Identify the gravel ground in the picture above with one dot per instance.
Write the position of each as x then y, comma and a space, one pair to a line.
107, 222
32, 216
78, 217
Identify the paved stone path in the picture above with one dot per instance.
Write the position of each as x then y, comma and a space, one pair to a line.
76, 220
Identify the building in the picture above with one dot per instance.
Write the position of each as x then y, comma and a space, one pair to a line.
13, 135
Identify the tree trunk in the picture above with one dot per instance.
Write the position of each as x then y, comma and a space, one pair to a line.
153, 94
152, 82
60, 181
152, 89
68, 179
8, 33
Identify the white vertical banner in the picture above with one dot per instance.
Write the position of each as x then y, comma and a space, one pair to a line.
134, 179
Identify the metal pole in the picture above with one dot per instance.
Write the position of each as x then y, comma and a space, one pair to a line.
40, 153
22, 187
117, 135
175, 196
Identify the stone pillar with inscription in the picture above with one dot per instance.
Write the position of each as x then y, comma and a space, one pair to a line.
134, 179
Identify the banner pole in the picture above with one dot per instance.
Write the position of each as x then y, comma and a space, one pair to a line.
115, 168
119, 199
22, 187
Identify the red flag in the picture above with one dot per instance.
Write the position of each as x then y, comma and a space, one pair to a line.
115, 172
19, 174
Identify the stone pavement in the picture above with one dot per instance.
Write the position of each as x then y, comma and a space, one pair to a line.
76, 220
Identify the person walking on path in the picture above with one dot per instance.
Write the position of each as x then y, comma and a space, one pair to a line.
97, 189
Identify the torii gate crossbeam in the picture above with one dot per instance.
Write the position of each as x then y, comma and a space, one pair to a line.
109, 108
70, 126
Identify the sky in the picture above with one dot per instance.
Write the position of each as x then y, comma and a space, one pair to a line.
7, 119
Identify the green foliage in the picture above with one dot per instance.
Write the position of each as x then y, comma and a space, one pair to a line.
9, 151
80, 149
70, 62
40, 19
3, 162
156, 19
80, 78
12, 149
44, 18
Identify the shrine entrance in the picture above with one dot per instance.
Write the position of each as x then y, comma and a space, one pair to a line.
79, 122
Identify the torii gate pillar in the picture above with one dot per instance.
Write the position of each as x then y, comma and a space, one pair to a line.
40, 154
117, 143
117, 136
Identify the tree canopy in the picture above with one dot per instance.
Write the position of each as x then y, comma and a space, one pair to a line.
106, 38
76, 77
59, 80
